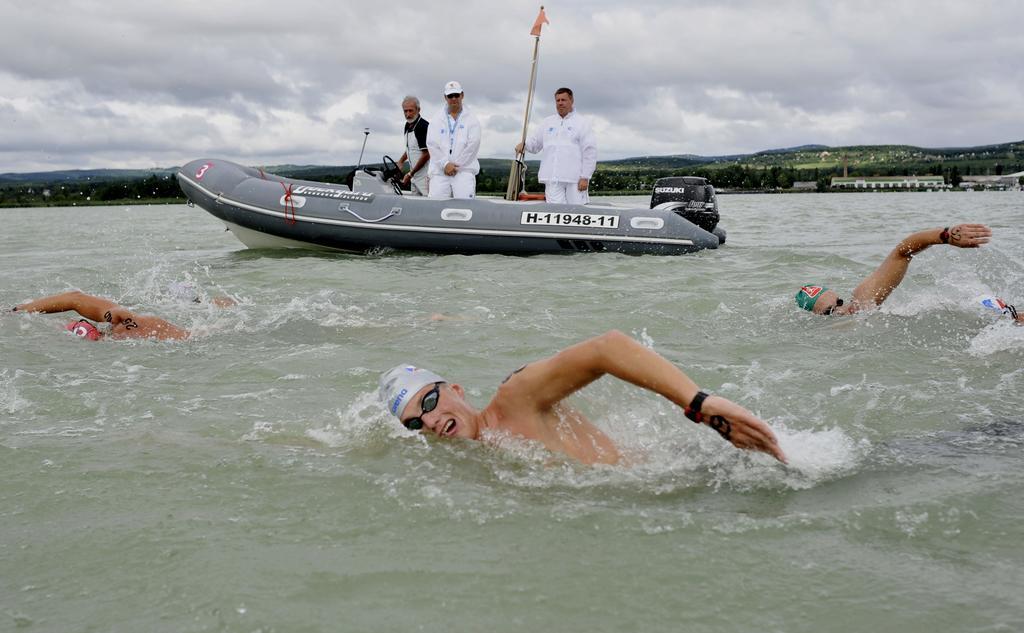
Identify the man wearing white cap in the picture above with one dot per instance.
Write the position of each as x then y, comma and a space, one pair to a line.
530, 404
570, 152
453, 142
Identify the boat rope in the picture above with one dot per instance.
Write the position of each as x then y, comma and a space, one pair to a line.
289, 204
394, 211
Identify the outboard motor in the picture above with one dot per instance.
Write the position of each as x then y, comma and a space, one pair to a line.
689, 196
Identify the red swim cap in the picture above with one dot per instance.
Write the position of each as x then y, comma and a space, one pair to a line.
84, 329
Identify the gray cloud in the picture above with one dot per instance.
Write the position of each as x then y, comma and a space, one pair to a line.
130, 84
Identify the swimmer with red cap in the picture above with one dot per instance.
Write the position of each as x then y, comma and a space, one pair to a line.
84, 329
877, 287
124, 323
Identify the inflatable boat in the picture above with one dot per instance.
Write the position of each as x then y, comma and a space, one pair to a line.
372, 214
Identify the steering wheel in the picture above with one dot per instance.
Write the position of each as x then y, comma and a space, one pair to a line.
392, 173
391, 170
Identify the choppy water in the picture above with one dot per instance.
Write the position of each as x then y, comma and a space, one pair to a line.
247, 480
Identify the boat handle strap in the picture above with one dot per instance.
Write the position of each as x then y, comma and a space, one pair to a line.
394, 211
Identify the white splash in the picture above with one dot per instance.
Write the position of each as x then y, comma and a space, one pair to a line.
999, 337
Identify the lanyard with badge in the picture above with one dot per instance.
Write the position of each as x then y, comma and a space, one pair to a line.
453, 124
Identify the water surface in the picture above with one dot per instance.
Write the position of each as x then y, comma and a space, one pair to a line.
247, 480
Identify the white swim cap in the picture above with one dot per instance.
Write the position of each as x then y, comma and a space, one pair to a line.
400, 383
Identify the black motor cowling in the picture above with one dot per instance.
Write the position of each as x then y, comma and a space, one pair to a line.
689, 196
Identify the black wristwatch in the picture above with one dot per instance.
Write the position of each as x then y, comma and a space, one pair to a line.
693, 411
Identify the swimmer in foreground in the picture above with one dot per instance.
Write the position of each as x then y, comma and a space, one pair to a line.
877, 287
123, 322
530, 403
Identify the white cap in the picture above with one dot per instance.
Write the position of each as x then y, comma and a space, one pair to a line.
400, 383
452, 88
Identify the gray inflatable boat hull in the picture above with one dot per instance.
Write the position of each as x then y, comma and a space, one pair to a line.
268, 211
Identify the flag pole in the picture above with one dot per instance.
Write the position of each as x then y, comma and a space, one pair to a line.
515, 173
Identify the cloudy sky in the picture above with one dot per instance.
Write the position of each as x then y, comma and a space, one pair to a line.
135, 84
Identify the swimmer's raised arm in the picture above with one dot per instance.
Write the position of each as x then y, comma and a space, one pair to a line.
89, 306
877, 287
545, 383
124, 323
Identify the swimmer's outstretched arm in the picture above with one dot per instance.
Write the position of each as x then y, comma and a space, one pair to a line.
547, 382
877, 287
89, 306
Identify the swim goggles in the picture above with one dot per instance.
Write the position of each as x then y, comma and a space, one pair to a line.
427, 404
832, 309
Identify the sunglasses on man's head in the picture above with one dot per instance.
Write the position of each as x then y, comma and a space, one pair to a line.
458, 94
427, 404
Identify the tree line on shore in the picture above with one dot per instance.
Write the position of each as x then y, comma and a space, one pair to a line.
765, 171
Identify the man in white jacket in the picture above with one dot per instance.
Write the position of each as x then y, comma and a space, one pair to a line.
570, 152
453, 141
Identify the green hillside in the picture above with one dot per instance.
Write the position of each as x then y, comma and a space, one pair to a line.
779, 169
769, 170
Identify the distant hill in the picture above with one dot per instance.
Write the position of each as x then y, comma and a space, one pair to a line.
826, 155
799, 157
767, 170
81, 175
685, 160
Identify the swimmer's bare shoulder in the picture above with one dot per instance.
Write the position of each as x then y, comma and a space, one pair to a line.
141, 326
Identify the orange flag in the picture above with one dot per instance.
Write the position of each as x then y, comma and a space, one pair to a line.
541, 20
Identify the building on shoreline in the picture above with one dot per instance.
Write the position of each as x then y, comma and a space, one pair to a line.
889, 182
1000, 183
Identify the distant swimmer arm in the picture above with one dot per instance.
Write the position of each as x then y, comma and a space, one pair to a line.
877, 287
90, 307
547, 382
124, 323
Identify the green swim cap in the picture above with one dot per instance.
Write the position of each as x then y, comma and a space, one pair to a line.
808, 295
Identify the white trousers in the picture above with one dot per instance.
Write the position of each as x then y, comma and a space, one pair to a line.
418, 184
461, 185
565, 192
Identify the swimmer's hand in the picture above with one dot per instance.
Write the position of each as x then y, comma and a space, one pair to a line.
741, 427
969, 235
